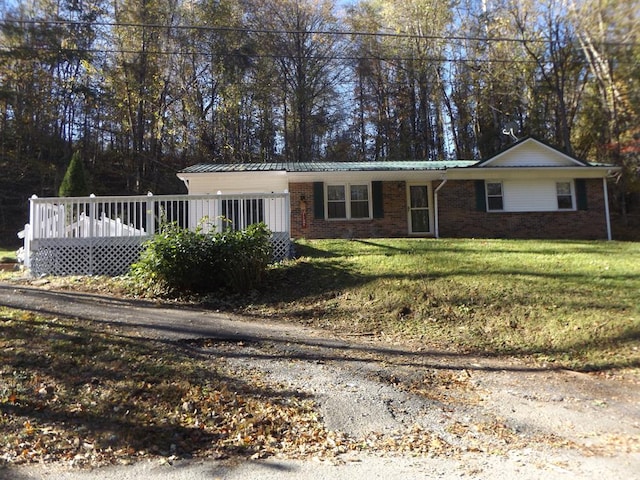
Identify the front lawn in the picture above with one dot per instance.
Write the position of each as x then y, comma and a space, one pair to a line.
576, 304
566, 303
7, 255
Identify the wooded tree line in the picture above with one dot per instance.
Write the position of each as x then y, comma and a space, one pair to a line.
143, 88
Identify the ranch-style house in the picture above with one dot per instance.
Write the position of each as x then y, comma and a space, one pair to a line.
529, 190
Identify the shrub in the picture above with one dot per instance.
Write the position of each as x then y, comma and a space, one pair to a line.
245, 256
178, 260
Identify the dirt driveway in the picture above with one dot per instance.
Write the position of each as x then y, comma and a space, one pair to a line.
498, 418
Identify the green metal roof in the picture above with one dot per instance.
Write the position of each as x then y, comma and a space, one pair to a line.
328, 166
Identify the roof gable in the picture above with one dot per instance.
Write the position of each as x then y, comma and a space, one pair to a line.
531, 153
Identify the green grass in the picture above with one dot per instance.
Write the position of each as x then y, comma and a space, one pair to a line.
574, 304
566, 303
7, 255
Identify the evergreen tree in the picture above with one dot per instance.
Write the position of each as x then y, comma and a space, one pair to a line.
74, 183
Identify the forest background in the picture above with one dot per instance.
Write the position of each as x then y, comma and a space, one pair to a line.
143, 88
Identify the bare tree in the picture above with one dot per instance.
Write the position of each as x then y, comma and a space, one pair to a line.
550, 41
298, 36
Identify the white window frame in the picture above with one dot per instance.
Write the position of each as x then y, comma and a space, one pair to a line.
347, 194
487, 196
572, 194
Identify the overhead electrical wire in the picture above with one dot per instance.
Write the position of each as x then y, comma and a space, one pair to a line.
388, 58
337, 57
210, 28
6, 50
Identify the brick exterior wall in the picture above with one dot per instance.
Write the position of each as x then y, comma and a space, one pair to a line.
394, 223
459, 217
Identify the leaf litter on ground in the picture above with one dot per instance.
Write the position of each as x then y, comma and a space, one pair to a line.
89, 395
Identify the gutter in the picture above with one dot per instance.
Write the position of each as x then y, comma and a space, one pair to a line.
435, 208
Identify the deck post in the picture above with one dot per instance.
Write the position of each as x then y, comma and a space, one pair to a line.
34, 221
287, 212
220, 220
151, 224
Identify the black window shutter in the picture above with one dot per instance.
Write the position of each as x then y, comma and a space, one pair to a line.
318, 200
378, 203
581, 194
481, 198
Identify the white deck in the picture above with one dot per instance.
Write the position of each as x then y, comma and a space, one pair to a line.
104, 235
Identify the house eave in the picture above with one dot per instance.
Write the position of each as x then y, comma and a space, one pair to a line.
481, 172
371, 175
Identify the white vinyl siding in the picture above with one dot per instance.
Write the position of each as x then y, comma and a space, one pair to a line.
238, 182
533, 154
532, 195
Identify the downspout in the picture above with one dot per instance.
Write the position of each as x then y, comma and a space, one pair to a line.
435, 207
606, 207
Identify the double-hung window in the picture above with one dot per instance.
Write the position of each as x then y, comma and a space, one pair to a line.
495, 200
348, 201
564, 195
359, 201
336, 201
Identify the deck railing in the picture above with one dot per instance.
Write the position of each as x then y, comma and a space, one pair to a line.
104, 235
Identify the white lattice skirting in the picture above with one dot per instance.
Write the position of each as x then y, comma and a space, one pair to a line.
106, 255
281, 246
85, 256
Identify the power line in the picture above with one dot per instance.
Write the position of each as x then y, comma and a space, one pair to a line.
338, 57
440, 59
217, 29
7, 50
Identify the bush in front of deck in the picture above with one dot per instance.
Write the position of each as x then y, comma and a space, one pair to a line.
178, 260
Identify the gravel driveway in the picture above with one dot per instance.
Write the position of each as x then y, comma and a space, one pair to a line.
495, 418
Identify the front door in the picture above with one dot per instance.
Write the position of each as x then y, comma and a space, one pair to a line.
419, 211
